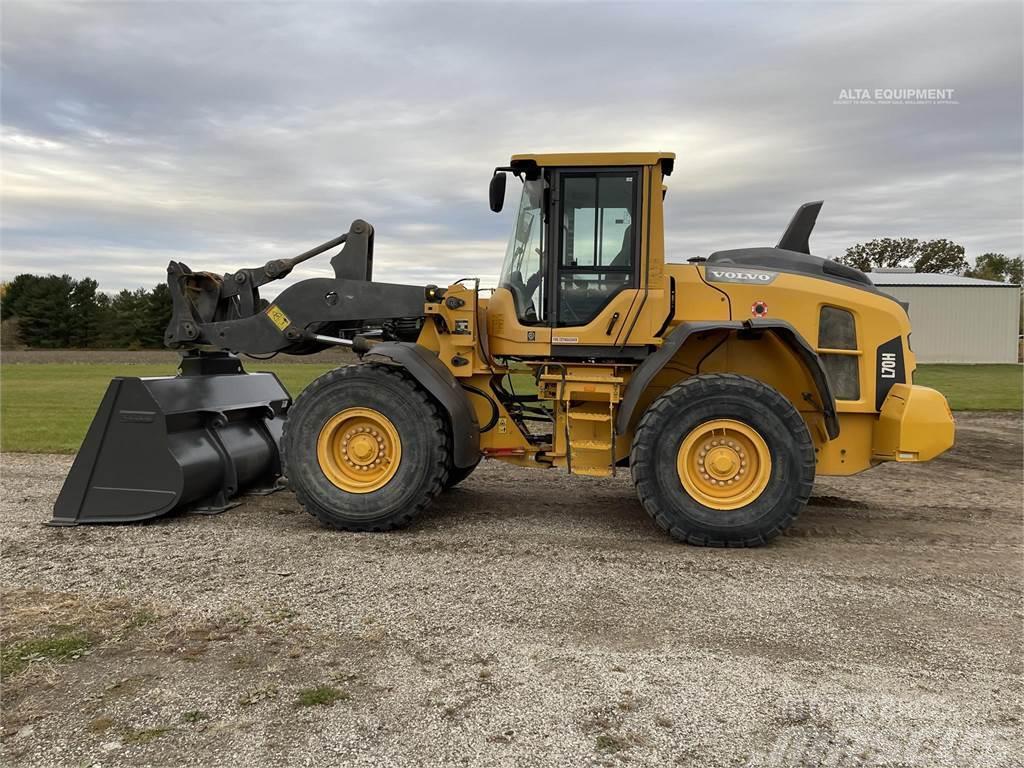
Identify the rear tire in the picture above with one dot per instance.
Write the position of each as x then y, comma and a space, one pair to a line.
723, 460
326, 477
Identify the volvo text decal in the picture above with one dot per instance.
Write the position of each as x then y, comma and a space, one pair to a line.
739, 275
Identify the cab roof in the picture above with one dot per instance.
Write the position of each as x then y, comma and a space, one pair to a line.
583, 159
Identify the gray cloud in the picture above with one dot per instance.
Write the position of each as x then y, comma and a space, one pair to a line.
223, 134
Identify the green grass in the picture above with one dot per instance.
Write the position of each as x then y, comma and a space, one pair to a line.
56, 648
47, 408
975, 387
321, 696
145, 735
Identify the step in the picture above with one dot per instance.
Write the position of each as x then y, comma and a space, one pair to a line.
583, 379
592, 471
590, 416
591, 445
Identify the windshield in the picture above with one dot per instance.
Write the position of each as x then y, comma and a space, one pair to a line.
523, 270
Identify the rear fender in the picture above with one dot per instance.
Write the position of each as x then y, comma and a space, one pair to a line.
424, 366
786, 333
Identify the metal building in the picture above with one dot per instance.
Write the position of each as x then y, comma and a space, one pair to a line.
956, 319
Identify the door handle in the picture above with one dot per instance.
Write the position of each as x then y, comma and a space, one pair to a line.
611, 324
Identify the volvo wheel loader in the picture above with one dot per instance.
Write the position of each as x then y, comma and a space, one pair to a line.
723, 385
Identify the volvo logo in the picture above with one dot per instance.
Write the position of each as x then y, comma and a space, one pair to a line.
740, 276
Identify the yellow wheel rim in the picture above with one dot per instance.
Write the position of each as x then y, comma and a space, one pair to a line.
359, 450
724, 464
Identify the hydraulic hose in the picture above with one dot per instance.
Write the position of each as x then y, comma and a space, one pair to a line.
495, 413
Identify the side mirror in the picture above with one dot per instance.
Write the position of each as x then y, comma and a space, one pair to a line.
497, 191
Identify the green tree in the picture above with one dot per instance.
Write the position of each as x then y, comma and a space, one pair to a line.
14, 291
59, 311
882, 252
125, 321
996, 266
924, 256
84, 332
941, 255
156, 314
43, 308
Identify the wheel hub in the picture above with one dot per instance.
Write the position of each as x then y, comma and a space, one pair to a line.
361, 447
359, 450
724, 464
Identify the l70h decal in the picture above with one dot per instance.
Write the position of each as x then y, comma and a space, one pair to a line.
889, 369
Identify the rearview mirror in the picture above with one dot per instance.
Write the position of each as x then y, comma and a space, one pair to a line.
497, 191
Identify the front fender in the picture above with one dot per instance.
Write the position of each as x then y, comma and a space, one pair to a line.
649, 368
424, 366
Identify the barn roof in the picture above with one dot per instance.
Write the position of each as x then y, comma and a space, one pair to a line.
933, 279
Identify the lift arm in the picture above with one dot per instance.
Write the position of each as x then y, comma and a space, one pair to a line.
227, 312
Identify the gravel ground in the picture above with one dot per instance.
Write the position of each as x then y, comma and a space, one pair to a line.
530, 619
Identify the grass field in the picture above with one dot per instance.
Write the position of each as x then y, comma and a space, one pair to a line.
46, 408
975, 387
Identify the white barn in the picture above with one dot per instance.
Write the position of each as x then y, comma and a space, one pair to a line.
956, 319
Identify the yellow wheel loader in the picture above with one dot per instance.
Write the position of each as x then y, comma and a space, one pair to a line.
722, 385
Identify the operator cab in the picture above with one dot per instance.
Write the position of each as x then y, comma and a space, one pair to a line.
574, 258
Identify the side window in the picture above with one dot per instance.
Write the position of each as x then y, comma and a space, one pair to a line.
837, 347
523, 272
597, 243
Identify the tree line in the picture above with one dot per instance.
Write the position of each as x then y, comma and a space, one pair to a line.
940, 255
58, 311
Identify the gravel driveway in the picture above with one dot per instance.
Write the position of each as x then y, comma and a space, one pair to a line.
530, 619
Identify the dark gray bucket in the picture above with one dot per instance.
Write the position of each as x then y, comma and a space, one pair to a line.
190, 442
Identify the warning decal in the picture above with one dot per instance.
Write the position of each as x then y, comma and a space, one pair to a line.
277, 317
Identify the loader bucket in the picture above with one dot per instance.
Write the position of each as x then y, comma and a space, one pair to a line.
189, 442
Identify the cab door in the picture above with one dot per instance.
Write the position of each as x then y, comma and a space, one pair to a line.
595, 239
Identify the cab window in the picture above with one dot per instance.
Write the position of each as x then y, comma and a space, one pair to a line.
523, 270
597, 243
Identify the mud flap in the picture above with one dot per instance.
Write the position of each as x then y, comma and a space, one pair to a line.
190, 442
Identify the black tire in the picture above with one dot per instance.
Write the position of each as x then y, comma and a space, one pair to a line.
457, 474
694, 402
422, 469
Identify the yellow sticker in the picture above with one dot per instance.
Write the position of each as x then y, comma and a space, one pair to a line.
277, 317
503, 426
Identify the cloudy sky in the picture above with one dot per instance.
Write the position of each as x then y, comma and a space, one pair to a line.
226, 133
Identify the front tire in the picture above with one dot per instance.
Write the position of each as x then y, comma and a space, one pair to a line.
457, 474
723, 460
365, 448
